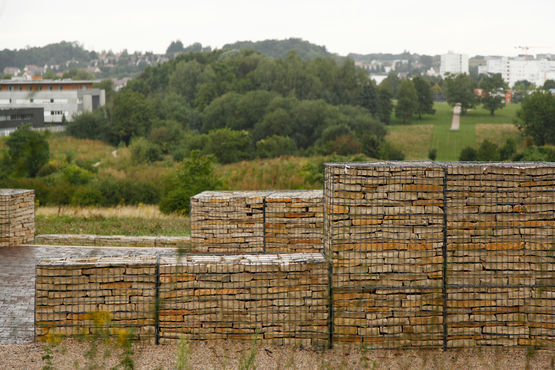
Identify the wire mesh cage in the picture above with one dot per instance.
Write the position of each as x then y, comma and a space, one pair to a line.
97, 296
5, 218
429, 254
278, 299
500, 254
384, 227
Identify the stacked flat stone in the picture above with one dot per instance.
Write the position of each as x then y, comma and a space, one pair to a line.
294, 222
228, 221
501, 260
384, 223
279, 299
79, 296
239, 222
114, 240
17, 216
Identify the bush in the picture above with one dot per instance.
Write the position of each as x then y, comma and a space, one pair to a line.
275, 146
488, 151
195, 175
87, 196
468, 154
390, 153
124, 191
28, 151
432, 154
143, 151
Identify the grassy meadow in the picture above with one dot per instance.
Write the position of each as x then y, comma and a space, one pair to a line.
127, 220
434, 131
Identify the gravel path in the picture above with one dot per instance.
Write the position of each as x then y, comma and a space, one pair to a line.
17, 282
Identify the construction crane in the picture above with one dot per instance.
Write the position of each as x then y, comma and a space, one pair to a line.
525, 49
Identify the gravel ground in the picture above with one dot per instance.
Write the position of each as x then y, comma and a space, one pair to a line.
70, 355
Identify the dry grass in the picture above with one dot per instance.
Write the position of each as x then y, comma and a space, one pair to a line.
414, 141
141, 211
121, 220
497, 133
82, 149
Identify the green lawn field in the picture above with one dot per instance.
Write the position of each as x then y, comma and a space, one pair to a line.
434, 131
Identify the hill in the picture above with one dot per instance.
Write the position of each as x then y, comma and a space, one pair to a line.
280, 48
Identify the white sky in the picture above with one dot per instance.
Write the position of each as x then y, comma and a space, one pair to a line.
485, 27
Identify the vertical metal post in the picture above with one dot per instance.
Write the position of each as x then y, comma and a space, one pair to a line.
444, 253
157, 302
264, 222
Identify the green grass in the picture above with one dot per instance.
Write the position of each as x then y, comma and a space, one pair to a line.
415, 140
100, 225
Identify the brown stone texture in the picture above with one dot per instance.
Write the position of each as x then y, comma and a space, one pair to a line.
228, 221
281, 299
237, 222
81, 296
294, 222
384, 224
17, 216
500, 252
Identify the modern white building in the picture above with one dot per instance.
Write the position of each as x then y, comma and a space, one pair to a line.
520, 68
453, 63
58, 98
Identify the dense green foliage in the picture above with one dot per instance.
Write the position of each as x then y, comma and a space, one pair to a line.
407, 101
239, 105
195, 175
28, 151
493, 92
537, 116
460, 89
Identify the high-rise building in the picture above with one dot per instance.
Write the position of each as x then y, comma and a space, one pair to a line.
453, 63
521, 68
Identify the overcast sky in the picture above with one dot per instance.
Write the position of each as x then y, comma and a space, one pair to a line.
485, 27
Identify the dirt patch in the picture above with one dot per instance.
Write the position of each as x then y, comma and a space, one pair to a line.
70, 353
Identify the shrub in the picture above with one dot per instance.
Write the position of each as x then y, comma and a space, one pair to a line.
143, 151
488, 151
195, 175
275, 146
87, 196
468, 154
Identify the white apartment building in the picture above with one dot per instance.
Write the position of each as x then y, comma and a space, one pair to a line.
453, 63
520, 68
59, 98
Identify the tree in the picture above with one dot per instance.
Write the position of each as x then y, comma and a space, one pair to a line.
386, 106
488, 151
493, 92
368, 98
460, 89
407, 101
275, 146
424, 97
132, 115
549, 84
537, 117
88, 125
27, 152
174, 48
228, 145
468, 154
195, 175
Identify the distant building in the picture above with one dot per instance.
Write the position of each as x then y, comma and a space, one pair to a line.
58, 98
12, 118
453, 63
521, 68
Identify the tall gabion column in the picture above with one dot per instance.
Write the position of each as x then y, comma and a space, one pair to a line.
17, 216
384, 229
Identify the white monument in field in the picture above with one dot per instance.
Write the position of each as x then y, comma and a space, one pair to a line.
455, 123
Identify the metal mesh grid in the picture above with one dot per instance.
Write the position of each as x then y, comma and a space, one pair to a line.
5, 218
465, 251
279, 299
385, 244
95, 296
501, 254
